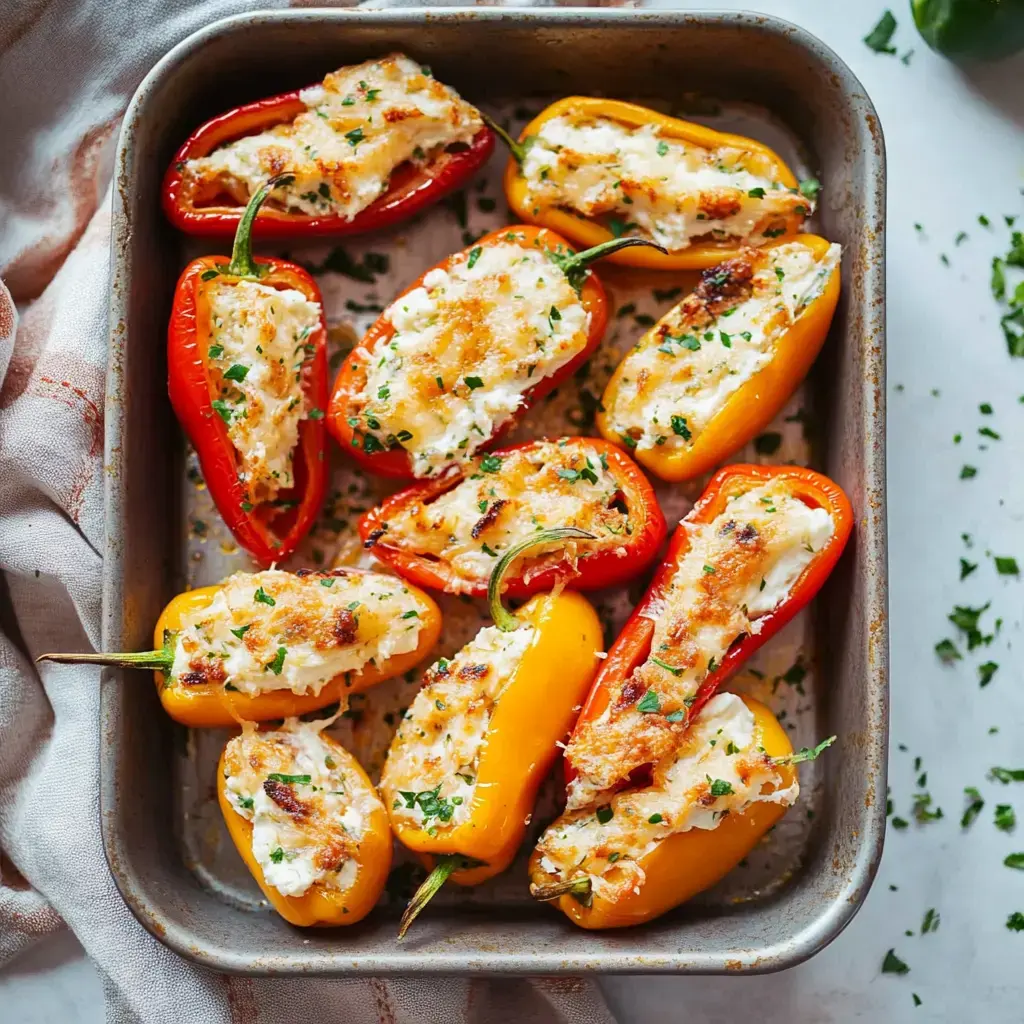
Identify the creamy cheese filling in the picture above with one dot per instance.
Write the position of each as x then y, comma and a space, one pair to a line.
276, 630
359, 125
256, 351
685, 370
309, 809
718, 769
430, 775
506, 499
657, 186
737, 568
467, 344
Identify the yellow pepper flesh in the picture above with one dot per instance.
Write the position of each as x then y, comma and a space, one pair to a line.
585, 232
686, 863
210, 705
535, 711
752, 406
321, 906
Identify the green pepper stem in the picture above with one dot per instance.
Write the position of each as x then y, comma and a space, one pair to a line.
575, 264
160, 660
580, 888
447, 865
806, 754
242, 264
503, 618
517, 149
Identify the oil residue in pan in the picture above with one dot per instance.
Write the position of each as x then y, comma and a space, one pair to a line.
357, 281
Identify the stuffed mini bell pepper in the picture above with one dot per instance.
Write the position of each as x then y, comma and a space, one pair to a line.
448, 533
471, 752
593, 169
715, 370
274, 644
466, 349
247, 376
650, 847
369, 146
752, 552
307, 821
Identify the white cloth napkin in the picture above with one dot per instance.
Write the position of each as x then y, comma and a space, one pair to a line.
67, 72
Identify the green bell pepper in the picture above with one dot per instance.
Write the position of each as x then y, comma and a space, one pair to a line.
971, 29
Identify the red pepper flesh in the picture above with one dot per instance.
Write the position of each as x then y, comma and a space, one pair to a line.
409, 191
633, 645
594, 570
270, 532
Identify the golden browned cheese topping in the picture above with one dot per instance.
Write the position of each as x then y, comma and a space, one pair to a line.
505, 499
737, 568
308, 805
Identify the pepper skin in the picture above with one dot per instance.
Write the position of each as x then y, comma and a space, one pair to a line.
210, 705
410, 190
688, 862
633, 645
319, 906
269, 531
533, 714
395, 462
585, 232
753, 405
604, 567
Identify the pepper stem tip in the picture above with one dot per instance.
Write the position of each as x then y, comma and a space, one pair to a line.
517, 149
242, 264
503, 618
580, 889
447, 864
157, 660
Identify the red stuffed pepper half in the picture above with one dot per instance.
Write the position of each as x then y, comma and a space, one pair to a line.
752, 552
369, 146
447, 533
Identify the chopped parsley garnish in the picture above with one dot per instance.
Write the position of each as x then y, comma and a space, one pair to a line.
662, 147
277, 664
1015, 860
277, 855
236, 372
354, 137
223, 409
1007, 775
262, 597
966, 568
720, 787
973, 809
655, 819
215, 351
879, 38
810, 187
986, 671
474, 255
491, 463
411, 614
649, 703
892, 964
966, 472
241, 631
667, 667
756, 193
1015, 922
931, 921
430, 803
604, 814
292, 780
1005, 818
989, 432
923, 812
473, 383
1006, 566
680, 428
675, 716
245, 802
966, 619
316, 414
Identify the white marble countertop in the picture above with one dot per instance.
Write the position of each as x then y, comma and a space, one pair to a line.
955, 146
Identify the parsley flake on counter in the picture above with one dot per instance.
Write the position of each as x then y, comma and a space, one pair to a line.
1015, 922
1006, 775
892, 964
966, 568
1005, 818
931, 921
1006, 566
947, 652
1014, 860
879, 38
967, 472
986, 671
974, 808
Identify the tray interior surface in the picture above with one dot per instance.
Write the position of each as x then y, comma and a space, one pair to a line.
178, 870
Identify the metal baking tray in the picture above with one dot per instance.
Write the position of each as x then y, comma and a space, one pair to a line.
163, 837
